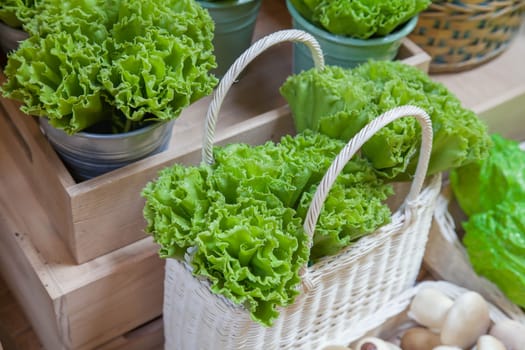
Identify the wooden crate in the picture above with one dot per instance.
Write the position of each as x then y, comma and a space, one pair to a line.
82, 306
100, 215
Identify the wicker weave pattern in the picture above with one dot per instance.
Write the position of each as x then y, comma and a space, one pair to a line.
338, 291
346, 289
461, 35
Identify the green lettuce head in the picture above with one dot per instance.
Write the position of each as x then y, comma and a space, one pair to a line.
123, 63
339, 102
360, 19
495, 242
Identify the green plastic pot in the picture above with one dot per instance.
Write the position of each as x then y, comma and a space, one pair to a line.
234, 25
345, 51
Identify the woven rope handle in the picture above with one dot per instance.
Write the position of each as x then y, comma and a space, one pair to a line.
237, 67
357, 142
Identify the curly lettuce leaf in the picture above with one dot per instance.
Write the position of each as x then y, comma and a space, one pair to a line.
56, 77
176, 207
338, 102
358, 18
252, 253
144, 60
495, 243
353, 209
480, 186
313, 95
15, 13
82, 19
160, 56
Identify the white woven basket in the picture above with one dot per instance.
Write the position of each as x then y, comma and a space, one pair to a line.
392, 320
446, 258
338, 291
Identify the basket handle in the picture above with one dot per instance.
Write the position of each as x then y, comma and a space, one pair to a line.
355, 144
238, 66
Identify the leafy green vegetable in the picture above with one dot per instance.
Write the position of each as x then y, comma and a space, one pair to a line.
239, 221
15, 13
353, 209
492, 193
359, 18
495, 242
338, 102
124, 63
480, 186
252, 252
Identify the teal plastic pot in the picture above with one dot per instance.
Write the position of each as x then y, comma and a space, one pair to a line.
234, 25
344, 51
88, 155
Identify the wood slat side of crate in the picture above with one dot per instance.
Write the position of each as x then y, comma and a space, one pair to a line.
82, 306
39, 163
146, 337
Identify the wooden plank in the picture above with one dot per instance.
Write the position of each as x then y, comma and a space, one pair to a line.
149, 336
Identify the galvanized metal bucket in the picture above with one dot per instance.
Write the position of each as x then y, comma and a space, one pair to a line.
88, 155
345, 51
234, 25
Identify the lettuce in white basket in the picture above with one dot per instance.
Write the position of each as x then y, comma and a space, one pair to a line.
239, 222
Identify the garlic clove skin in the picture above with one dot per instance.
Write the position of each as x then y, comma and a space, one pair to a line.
336, 347
488, 342
429, 308
466, 321
446, 347
373, 343
511, 333
419, 338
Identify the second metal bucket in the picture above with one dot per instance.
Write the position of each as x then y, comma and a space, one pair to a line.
234, 26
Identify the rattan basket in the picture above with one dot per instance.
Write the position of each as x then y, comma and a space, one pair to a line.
462, 34
338, 291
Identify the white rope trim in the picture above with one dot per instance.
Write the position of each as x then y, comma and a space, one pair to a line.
357, 142
238, 66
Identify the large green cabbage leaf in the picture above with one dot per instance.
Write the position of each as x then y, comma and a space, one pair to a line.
239, 221
480, 186
338, 102
124, 63
495, 242
361, 19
